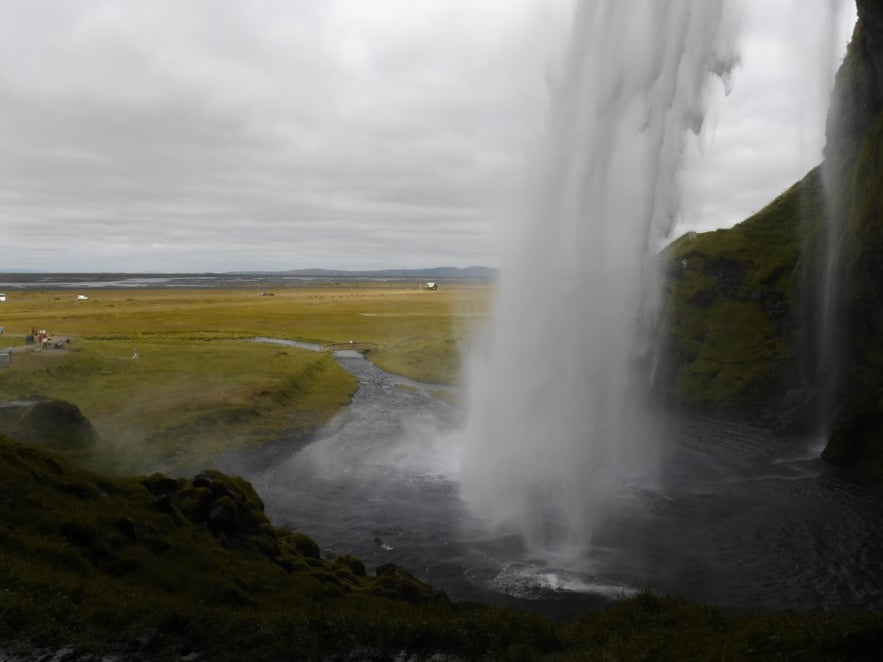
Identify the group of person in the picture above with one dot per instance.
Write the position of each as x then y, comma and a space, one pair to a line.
42, 338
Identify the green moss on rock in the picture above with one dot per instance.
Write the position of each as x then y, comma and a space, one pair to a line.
732, 319
54, 424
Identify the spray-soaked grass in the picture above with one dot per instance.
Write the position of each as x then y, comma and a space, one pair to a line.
184, 400
199, 387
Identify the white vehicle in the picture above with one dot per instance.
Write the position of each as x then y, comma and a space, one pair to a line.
2, 297
82, 297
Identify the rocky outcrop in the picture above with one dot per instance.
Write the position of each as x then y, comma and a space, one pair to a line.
231, 510
857, 97
53, 424
854, 154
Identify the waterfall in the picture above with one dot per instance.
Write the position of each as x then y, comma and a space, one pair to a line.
827, 299
557, 422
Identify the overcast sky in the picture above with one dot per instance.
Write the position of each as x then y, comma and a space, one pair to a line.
219, 135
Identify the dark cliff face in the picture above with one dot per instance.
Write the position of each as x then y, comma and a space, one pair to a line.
744, 333
857, 97
870, 18
854, 151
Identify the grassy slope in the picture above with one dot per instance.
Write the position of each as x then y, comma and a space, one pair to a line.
143, 567
731, 304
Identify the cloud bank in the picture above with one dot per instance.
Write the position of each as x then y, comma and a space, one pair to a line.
216, 135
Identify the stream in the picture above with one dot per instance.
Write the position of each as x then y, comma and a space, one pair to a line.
739, 518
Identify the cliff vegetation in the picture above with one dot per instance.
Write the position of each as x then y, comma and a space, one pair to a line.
780, 318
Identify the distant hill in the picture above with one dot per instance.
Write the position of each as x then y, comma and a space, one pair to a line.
434, 273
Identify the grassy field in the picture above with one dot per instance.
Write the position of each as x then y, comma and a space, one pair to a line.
198, 387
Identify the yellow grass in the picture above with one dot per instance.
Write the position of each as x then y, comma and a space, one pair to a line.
383, 315
199, 388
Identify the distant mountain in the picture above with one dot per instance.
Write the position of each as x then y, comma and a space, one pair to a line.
434, 273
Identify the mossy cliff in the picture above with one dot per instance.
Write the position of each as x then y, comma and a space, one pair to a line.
746, 308
855, 148
733, 317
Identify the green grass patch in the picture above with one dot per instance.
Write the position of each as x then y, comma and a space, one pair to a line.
731, 347
431, 359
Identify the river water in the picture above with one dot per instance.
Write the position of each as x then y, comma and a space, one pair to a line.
739, 517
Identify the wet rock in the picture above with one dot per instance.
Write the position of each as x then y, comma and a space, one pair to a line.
857, 438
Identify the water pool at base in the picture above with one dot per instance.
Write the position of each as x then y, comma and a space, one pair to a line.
739, 517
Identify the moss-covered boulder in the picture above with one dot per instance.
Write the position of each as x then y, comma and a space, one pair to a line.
54, 424
393, 581
231, 510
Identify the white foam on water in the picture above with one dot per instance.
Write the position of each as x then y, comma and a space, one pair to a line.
526, 581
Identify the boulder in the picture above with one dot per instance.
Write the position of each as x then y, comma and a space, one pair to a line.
394, 581
53, 424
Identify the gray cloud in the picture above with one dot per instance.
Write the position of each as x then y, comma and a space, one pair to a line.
220, 135
771, 129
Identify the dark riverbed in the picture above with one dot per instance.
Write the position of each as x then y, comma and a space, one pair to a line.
739, 518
